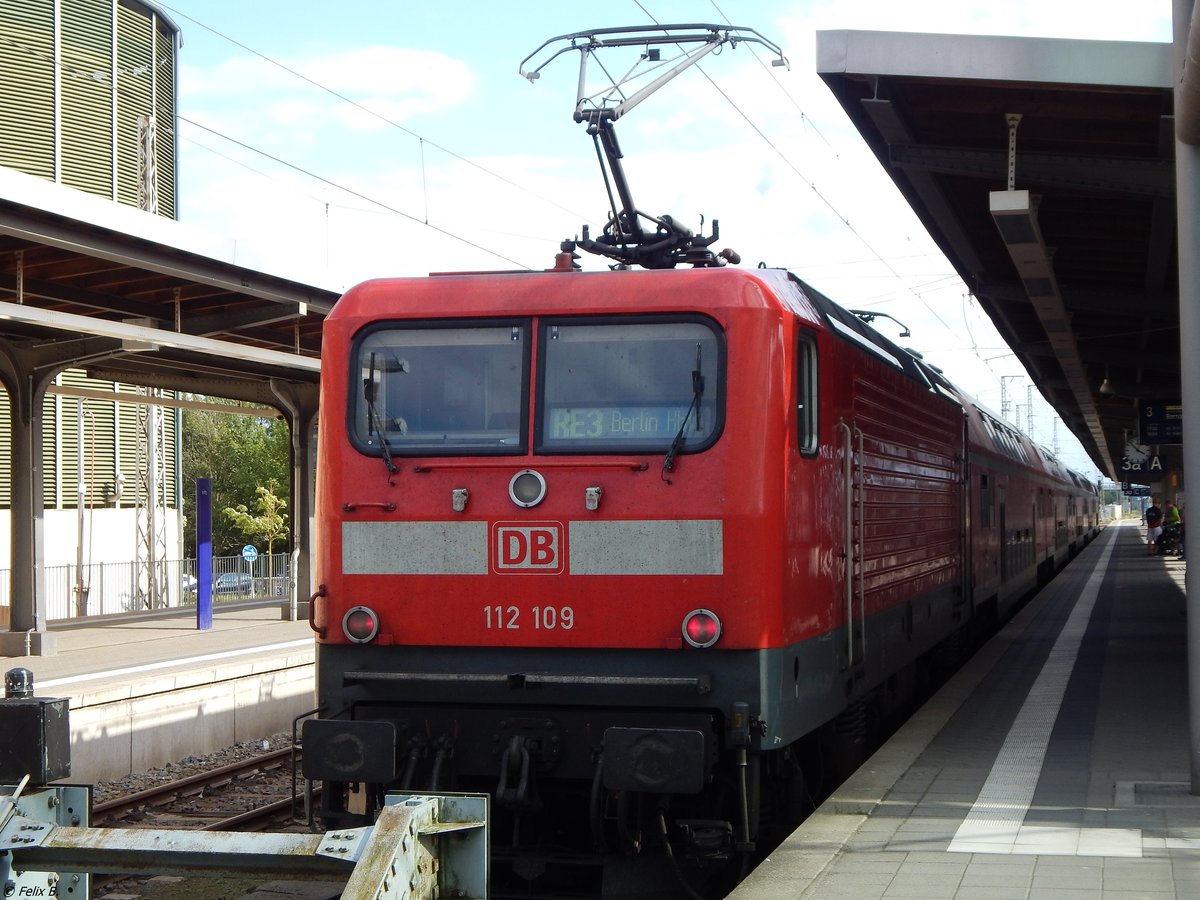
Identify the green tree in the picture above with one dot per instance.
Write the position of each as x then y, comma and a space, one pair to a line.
270, 525
237, 453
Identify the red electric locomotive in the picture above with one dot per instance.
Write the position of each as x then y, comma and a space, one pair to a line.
638, 552
615, 543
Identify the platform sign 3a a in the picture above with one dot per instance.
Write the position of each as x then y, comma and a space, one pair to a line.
1152, 464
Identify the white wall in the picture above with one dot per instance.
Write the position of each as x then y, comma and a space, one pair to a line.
109, 535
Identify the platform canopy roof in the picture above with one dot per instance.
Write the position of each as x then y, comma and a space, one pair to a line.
136, 298
1044, 169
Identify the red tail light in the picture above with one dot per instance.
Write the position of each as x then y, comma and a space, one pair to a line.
360, 624
701, 628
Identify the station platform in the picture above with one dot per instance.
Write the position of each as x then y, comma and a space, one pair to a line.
1054, 764
150, 688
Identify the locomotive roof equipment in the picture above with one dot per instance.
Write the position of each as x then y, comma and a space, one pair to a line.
625, 239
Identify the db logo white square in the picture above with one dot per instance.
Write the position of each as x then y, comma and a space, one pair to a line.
528, 547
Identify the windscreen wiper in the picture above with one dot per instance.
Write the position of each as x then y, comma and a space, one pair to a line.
374, 420
693, 411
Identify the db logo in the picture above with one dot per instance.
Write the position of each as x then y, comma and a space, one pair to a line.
528, 547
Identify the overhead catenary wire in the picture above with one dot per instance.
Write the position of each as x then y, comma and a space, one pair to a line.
326, 204
809, 182
371, 112
916, 291
422, 141
242, 164
140, 71
423, 218
354, 193
783, 90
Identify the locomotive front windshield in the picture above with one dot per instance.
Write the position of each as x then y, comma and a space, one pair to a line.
603, 386
441, 390
628, 387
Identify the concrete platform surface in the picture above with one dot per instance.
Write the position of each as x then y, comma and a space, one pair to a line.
1055, 764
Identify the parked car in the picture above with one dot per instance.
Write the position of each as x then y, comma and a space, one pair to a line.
187, 584
234, 583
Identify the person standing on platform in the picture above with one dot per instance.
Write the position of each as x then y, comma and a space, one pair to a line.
1172, 539
1171, 515
1154, 520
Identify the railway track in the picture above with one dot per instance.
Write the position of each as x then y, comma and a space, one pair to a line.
223, 799
228, 798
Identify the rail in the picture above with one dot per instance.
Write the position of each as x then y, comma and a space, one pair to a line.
167, 792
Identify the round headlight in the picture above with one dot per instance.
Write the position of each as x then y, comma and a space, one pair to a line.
360, 624
701, 628
527, 488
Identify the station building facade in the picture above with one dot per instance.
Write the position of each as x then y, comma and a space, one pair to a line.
88, 98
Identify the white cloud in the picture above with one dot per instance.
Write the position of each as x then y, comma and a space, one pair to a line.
384, 70
394, 83
231, 78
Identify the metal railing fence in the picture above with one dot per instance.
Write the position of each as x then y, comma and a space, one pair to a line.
122, 587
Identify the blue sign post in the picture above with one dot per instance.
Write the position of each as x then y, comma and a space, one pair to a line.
204, 610
250, 554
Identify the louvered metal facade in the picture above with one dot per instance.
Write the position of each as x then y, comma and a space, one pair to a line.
87, 97
110, 446
80, 83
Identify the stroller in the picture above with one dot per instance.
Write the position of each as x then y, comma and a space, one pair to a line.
1170, 542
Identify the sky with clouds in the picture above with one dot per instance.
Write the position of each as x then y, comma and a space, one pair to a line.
335, 143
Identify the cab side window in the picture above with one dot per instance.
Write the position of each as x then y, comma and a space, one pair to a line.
806, 394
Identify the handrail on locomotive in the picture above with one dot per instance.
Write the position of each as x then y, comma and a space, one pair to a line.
625, 239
